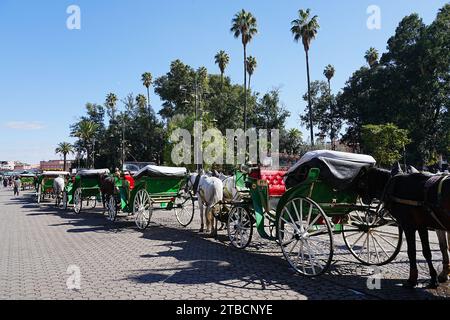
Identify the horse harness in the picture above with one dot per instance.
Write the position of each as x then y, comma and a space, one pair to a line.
428, 205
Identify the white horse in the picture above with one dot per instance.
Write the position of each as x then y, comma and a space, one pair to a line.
444, 243
58, 187
210, 195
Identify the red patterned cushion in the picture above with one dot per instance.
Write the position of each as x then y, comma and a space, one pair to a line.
275, 181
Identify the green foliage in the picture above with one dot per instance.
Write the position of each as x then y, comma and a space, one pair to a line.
305, 28
408, 87
385, 142
291, 141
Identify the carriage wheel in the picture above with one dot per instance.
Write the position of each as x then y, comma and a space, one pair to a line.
112, 209
91, 202
240, 227
305, 236
184, 206
77, 201
142, 209
373, 239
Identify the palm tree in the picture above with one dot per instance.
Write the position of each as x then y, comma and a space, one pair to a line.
252, 64
64, 148
111, 103
306, 29
371, 57
141, 101
329, 74
86, 132
222, 59
147, 80
244, 25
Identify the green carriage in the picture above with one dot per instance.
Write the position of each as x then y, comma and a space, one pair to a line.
44, 184
320, 199
27, 181
84, 189
151, 188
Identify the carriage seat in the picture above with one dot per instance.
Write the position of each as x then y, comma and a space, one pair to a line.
274, 179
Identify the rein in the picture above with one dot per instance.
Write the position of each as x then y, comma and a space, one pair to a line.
424, 204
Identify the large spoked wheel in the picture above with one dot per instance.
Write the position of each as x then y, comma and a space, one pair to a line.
112, 209
142, 209
77, 201
373, 239
240, 227
184, 207
305, 236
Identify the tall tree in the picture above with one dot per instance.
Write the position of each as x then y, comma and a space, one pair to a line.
252, 64
64, 148
372, 57
86, 132
111, 105
147, 80
306, 28
222, 59
329, 74
244, 25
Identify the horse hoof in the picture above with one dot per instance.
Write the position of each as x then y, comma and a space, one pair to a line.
410, 284
443, 278
433, 284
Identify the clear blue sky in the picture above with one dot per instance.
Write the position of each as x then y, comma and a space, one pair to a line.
48, 73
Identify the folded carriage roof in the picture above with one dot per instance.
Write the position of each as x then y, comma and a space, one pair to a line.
156, 171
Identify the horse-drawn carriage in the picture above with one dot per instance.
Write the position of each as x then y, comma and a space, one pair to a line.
152, 188
45, 182
304, 208
85, 188
27, 180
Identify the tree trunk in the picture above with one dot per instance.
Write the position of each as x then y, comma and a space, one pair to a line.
245, 88
65, 161
332, 134
309, 100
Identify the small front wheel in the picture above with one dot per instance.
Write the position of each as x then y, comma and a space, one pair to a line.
142, 209
65, 200
240, 227
184, 207
77, 201
112, 209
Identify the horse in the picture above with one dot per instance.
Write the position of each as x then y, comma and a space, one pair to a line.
417, 201
210, 194
58, 187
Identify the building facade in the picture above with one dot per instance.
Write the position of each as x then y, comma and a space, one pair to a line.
55, 165
7, 165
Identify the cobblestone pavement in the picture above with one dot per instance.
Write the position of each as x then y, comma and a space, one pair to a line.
39, 243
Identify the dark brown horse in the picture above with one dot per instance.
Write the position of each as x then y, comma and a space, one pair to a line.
107, 188
418, 202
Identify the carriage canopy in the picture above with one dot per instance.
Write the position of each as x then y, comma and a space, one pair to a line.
339, 169
92, 172
156, 171
55, 173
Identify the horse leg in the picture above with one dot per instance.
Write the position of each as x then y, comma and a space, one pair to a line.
202, 225
443, 245
208, 219
410, 234
426, 250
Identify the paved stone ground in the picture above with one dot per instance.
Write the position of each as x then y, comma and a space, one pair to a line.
39, 243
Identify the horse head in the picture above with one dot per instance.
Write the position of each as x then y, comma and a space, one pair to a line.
372, 184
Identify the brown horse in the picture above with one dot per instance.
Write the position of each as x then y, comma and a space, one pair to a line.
418, 202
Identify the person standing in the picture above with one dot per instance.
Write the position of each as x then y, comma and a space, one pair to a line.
5, 183
17, 185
